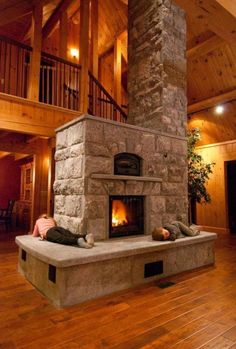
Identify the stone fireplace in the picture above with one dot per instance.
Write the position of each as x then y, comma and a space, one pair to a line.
89, 150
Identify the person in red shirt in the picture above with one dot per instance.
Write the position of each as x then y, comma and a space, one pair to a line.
47, 229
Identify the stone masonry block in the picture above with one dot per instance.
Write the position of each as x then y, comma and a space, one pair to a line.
59, 204
74, 167
61, 140
77, 150
68, 186
97, 164
75, 134
172, 189
73, 205
98, 228
95, 187
59, 169
148, 142
179, 147
62, 154
134, 188
157, 204
96, 149
94, 132
69, 168
96, 206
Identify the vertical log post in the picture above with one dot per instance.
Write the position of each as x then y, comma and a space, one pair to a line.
84, 55
117, 72
94, 37
63, 30
36, 43
40, 180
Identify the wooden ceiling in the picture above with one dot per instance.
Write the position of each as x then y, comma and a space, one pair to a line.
211, 50
211, 38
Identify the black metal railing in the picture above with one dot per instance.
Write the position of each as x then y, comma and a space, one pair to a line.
102, 104
14, 67
59, 82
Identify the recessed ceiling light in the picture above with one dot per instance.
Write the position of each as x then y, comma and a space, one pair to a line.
219, 109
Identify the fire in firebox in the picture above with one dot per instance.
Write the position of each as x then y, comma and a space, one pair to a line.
126, 215
119, 214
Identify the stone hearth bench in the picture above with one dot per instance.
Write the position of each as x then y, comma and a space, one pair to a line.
69, 275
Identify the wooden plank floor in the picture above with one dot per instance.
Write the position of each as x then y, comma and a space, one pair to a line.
199, 311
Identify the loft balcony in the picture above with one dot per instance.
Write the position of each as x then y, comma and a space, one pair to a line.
58, 84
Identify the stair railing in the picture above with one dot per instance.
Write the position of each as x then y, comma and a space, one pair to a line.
102, 104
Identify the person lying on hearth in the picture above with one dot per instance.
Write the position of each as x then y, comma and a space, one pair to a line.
174, 230
46, 227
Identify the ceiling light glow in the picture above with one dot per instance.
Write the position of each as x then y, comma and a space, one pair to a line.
74, 52
219, 109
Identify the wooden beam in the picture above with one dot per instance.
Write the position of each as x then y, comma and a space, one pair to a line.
36, 43
123, 37
55, 17
63, 33
14, 11
94, 37
84, 54
205, 47
215, 15
26, 33
229, 5
3, 154
19, 156
110, 49
211, 102
3, 134
117, 71
17, 146
31, 139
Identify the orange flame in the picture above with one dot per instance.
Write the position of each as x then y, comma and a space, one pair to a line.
119, 216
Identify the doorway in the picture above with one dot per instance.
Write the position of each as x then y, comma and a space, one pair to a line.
26, 167
231, 194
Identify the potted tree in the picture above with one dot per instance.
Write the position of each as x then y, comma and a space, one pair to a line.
198, 174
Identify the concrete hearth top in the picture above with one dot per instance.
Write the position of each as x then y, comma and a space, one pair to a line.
64, 256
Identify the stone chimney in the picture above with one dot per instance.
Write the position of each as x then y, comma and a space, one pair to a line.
157, 66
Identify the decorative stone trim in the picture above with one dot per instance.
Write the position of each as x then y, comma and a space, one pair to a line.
126, 178
116, 123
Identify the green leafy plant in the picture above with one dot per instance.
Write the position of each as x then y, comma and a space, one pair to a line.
198, 170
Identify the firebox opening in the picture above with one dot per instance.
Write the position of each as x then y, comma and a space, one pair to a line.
126, 216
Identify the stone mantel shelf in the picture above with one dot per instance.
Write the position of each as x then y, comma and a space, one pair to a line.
125, 178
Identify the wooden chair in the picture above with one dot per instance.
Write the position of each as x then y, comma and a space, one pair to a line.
6, 213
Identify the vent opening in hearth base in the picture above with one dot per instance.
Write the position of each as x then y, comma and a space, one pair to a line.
126, 216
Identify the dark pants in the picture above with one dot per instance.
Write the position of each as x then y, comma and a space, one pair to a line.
62, 236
